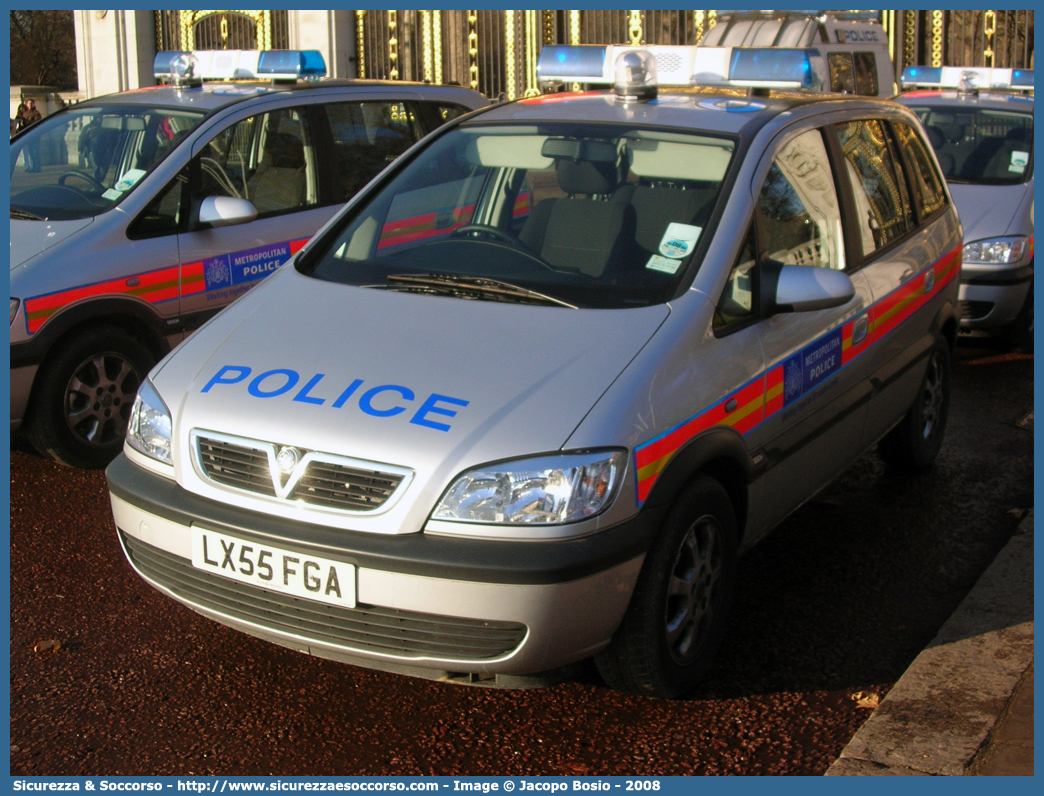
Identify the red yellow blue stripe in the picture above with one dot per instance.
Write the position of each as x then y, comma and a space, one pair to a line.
155, 287
762, 397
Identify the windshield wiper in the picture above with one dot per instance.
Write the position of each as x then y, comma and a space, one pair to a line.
17, 212
471, 287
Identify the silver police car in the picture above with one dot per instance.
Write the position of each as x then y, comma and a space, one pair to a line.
980, 123
528, 397
137, 216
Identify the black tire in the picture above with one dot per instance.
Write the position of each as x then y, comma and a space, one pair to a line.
83, 396
915, 442
676, 619
1020, 333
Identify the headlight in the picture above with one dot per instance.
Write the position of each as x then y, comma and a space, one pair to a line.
995, 251
14, 309
544, 490
149, 427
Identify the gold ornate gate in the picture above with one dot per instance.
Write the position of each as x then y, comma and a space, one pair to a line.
495, 52
221, 30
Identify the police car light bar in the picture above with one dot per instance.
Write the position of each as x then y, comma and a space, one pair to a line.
248, 64
686, 65
595, 65
967, 77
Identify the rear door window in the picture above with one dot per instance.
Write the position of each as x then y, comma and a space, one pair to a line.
367, 136
928, 193
865, 74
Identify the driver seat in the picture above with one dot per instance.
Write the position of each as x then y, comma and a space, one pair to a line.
590, 235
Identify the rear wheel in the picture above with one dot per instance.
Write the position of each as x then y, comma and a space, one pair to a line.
915, 442
83, 397
675, 622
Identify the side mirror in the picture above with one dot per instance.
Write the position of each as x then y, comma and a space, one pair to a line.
803, 288
225, 211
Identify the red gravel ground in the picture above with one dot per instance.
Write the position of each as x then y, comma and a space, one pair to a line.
838, 600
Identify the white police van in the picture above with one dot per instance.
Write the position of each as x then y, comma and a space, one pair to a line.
530, 394
980, 122
136, 216
847, 53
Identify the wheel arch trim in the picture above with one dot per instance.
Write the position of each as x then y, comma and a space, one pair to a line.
719, 452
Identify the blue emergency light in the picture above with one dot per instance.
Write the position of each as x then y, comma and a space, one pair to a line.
772, 67
922, 76
1022, 78
566, 63
301, 64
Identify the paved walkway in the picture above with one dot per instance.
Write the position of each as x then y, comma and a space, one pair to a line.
965, 705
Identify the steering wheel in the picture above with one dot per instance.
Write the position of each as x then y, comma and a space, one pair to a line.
488, 229
88, 178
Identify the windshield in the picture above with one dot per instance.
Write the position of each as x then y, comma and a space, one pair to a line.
80, 162
980, 146
584, 215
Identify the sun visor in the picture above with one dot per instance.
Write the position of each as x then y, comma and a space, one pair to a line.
667, 160
508, 151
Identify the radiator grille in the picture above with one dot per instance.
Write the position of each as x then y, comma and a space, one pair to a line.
237, 466
339, 487
407, 635
325, 483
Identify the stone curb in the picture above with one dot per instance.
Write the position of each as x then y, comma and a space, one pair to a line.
942, 711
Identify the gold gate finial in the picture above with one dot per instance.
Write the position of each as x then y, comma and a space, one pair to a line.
937, 31
989, 27
360, 55
473, 49
635, 28
393, 46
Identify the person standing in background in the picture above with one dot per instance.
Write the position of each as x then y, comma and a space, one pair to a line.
32, 150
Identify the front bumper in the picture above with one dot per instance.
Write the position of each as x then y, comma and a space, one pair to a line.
21, 387
428, 606
992, 298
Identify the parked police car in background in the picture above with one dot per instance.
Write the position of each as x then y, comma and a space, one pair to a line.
980, 122
154, 208
526, 399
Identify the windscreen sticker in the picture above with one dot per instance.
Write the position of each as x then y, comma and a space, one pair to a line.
679, 240
112, 194
658, 263
382, 400
1019, 162
129, 179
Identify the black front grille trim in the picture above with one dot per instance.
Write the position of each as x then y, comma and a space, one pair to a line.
324, 484
975, 310
407, 635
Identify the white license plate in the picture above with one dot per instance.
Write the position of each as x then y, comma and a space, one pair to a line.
284, 571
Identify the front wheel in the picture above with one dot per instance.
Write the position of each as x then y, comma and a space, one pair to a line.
915, 442
674, 625
83, 397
